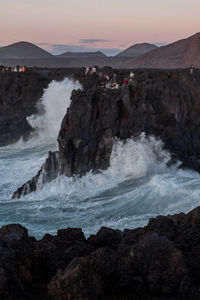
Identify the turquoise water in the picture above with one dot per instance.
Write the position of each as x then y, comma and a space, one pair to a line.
137, 186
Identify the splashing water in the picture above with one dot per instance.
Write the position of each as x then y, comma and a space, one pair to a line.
52, 108
137, 185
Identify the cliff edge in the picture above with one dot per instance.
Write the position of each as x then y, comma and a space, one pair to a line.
165, 104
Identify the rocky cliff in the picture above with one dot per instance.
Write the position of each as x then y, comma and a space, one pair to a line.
19, 95
165, 104
157, 262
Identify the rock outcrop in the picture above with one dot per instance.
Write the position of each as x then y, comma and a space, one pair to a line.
158, 262
19, 94
165, 104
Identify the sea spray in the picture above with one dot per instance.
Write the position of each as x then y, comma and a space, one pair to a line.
51, 109
133, 159
137, 185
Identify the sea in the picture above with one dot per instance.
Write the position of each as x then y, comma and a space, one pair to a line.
137, 186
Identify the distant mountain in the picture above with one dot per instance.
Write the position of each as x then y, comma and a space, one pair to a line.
23, 50
136, 50
82, 54
180, 54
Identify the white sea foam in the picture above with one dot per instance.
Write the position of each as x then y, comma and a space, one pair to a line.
52, 108
136, 186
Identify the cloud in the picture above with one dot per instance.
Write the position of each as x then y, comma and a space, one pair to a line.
93, 41
60, 48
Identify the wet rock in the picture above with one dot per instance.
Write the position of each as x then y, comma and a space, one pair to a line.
162, 103
88, 278
106, 237
162, 264
49, 171
19, 94
158, 262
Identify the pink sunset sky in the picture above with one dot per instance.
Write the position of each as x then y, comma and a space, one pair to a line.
107, 25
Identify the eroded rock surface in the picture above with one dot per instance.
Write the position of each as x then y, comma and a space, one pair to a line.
19, 94
165, 104
158, 262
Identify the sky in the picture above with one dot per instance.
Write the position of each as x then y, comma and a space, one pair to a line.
90, 25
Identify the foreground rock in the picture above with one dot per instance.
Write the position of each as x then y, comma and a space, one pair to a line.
158, 262
165, 104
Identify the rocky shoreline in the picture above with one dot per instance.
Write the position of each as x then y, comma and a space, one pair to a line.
165, 104
20, 93
157, 262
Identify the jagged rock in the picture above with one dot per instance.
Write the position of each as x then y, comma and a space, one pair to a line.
19, 94
165, 104
49, 171
158, 262
88, 278
106, 237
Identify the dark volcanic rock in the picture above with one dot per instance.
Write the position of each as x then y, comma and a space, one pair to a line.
165, 104
158, 262
19, 94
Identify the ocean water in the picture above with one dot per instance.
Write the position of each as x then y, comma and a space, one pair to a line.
138, 185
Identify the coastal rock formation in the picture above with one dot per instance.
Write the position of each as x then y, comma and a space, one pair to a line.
158, 262
19, 94
165, 104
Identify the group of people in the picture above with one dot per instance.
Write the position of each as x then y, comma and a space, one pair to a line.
192, 69
14, 69
129, 80
90, 70
113, 84
109, 81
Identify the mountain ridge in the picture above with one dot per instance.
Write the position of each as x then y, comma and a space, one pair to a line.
82, 54
137, 50
179, 54
24, 50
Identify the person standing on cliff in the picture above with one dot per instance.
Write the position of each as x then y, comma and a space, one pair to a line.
93, 71
87, 69
131, 75
191, 69
107, 77
125, 81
